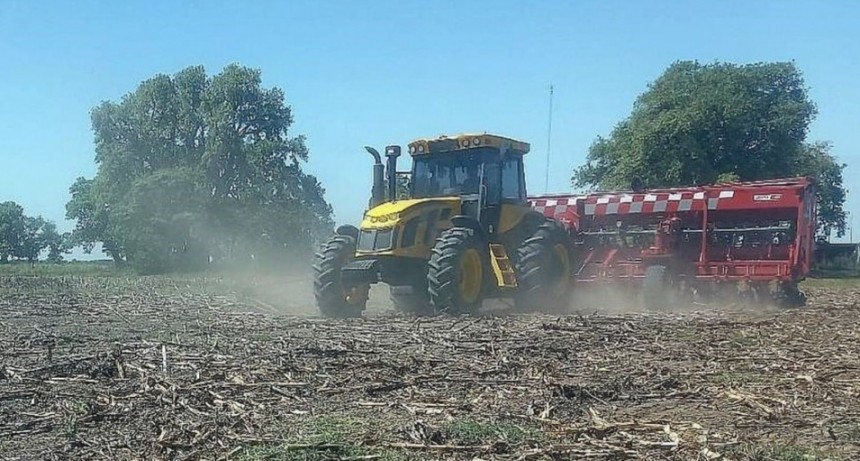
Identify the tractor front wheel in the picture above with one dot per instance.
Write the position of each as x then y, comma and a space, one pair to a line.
333, 297
543, 270
455, 273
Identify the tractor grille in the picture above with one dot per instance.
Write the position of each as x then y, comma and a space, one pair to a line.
376, 240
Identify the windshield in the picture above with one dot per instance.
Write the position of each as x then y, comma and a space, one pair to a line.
447, 174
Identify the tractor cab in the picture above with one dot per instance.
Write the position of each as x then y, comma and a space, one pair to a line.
483, 171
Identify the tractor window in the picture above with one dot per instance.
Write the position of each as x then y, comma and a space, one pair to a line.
447, 175
511, 179
492, 183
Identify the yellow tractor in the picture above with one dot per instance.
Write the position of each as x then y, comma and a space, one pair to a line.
462, 233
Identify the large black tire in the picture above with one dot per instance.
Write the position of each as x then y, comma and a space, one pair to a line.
455, 278
788, 295
333, 297
411, 300
543, 268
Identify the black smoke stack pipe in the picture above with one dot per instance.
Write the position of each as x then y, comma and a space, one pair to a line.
391, 153
377, 193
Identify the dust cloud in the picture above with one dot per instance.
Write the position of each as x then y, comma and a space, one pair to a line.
290, 293
287, 293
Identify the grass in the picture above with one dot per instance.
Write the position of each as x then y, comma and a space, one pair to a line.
45, 278
286, 454
833, 282
754, 452
854, 432
78, 409
323, 438
745, 338
736, 378
335, 438
102, 285
63, 269
835, 274
476, 433
329, 429
106, 268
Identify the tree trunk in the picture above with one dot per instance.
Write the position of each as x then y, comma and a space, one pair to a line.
117, 260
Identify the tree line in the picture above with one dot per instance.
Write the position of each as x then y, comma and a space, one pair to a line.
196, 170
25, 238
705, 123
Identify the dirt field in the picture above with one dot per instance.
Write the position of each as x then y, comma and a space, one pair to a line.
114, 368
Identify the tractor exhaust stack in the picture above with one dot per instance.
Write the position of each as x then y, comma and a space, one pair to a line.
377, 193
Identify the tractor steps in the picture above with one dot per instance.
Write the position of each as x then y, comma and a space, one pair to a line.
502, 268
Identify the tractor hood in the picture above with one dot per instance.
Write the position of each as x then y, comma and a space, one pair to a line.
392, 213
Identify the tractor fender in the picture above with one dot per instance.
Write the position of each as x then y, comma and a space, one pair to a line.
533, 219
470, 223
347, 229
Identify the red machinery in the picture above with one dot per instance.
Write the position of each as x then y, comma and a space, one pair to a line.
759, 233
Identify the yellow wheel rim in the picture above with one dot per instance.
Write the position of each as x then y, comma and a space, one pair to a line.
471, 274
563, 259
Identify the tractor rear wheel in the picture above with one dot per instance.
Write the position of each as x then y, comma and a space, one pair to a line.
543, 269
456, 271
788, 295
333, 297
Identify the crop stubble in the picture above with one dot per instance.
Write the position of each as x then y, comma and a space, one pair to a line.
160, 368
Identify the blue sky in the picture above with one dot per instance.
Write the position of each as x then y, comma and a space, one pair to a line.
380, 72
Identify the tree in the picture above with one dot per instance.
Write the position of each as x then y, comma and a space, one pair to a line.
699, 124
26, 237
92, 222
56, 243
195, 168
816, 160
11, 229
163, 221
31, 243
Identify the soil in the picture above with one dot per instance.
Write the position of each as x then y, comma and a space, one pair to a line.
160, 368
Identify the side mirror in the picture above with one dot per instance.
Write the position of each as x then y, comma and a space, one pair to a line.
392, 152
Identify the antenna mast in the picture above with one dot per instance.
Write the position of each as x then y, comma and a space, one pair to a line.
548, 143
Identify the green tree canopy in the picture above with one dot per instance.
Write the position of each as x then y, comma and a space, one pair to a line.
193, 168
26, 237
11, 229
700, 124
92, 221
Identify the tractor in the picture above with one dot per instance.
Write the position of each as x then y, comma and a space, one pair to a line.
463, 232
